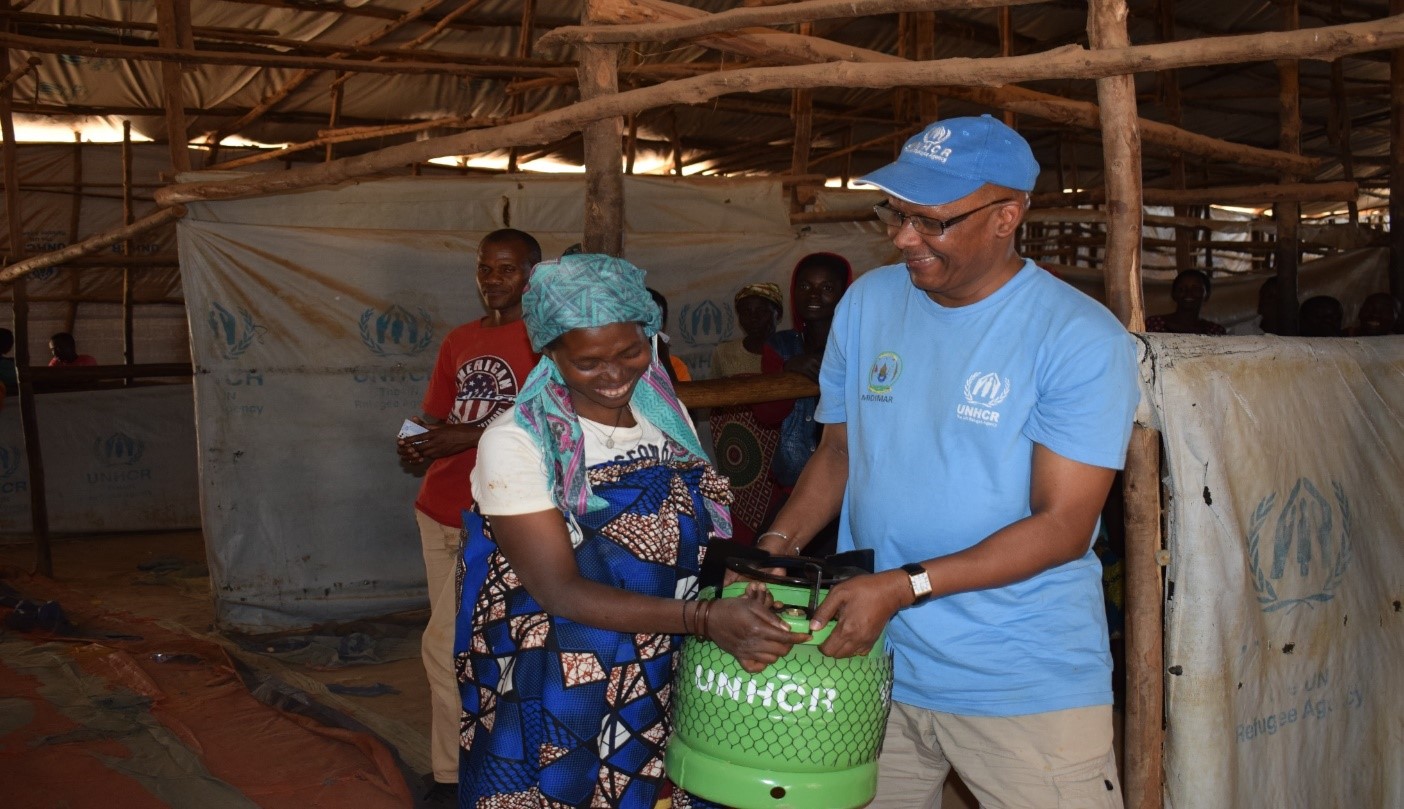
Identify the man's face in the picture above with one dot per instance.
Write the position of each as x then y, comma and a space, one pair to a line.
967, 261
503, 269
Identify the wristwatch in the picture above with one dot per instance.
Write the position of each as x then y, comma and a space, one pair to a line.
921, 583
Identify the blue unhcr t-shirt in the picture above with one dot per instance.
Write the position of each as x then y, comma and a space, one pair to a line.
943, 407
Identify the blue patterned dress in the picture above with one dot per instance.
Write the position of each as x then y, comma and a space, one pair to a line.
557, 713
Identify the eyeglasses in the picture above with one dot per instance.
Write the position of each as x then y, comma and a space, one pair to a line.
925, 225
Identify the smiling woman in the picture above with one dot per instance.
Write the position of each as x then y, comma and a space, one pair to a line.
595, 504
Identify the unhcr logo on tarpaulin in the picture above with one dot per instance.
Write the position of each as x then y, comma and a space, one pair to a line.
1309, 546
10, 458
118, 454
118, 449
396, 331
234, 333
705, 323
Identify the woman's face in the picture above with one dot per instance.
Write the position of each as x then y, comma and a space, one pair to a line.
756, 316
817, 291
601, 366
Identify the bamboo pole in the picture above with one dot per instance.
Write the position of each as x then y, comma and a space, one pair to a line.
1287, 213
1067, 62
1396, 156
604, 148
1143, 737
38, 506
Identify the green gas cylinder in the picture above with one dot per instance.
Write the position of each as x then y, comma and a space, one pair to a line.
803, 734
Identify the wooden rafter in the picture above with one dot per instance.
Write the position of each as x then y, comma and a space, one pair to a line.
1318, 43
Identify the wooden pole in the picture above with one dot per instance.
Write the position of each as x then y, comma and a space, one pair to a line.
1170, 82
38, 506
334, 117
71, 315
92, 244
128, 350
604, 149
1396, 157
524, 36
1143, 737
173, 31
1337, 191
1287, 214
745, 390
802, 113
1338, 130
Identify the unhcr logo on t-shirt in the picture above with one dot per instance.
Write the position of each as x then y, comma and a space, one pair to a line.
983, 393
931, 145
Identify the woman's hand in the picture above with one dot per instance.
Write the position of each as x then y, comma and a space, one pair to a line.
748, 628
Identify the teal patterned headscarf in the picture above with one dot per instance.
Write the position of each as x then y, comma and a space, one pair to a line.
585, 291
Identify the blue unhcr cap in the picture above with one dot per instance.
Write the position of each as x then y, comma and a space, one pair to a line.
951, 159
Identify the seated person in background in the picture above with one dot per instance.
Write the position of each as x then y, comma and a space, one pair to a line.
758, 310
1321, 316
816, 285
1189, 292
9, 381
743, 447
1379, 315
597, 505
676, 368
65, 352
1267, 307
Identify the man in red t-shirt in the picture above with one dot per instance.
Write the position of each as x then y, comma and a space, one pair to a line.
481, 366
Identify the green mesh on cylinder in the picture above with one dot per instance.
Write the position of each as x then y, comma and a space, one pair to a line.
803, 734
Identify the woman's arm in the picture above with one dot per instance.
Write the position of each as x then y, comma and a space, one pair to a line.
538, 548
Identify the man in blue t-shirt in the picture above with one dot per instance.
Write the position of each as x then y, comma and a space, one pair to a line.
976, 409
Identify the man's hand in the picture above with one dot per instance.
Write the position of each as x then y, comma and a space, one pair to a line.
863, 605
441, 441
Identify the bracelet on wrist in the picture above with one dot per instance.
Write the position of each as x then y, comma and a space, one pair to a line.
790, 545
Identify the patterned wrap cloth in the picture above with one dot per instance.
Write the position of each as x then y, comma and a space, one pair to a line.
584, 291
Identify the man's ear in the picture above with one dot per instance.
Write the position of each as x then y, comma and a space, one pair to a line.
1010, 216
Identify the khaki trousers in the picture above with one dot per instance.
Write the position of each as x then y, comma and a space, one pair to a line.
442, 545
1061, 759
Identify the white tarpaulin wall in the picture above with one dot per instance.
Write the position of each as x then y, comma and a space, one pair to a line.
1284, 635
315, 319
114, 460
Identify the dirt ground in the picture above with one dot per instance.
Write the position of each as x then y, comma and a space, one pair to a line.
107, 571
163, 576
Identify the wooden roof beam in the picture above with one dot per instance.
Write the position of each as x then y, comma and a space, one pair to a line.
310, 65
737, 18
1067, 62
776, 46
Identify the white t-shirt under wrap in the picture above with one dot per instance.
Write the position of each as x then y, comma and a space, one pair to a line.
511, 478
943, 407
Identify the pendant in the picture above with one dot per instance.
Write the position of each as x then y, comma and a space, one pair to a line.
609, 443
